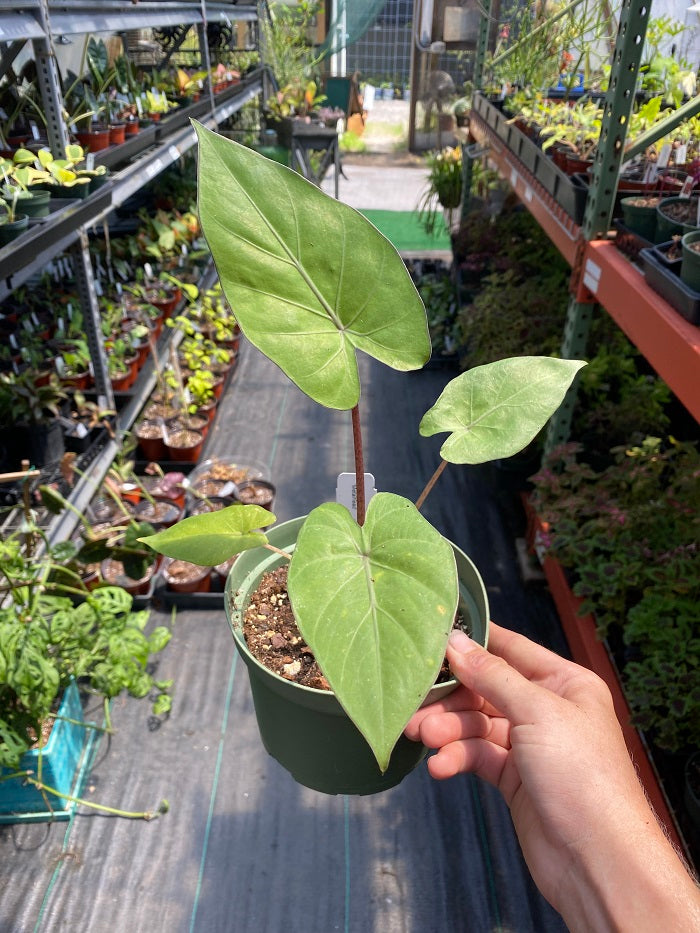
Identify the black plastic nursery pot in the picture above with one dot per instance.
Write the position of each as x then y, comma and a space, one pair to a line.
306, 730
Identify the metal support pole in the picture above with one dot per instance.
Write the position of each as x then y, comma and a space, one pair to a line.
8, 54
49, 85
467, 161
619, 100
204, 53
85, 282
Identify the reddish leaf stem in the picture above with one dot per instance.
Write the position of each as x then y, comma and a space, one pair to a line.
359, 465
431, 482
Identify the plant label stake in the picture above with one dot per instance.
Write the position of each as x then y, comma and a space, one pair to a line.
346, 491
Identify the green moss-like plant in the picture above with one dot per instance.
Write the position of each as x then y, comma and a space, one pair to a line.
311, 282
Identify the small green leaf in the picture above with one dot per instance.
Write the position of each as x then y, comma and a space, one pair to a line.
158, 639
52, 500
493, 411
374, 603
311, 279
162, 705
212, 538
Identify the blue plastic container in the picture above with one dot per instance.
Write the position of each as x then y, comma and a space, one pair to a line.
61, 758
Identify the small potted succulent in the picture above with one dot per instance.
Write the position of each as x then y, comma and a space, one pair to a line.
374, 597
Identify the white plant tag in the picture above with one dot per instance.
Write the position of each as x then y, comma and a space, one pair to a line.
60, 366
90, 161
148, 269
99, 291
650, 173
35, 130
346, 491
680, 154
664, 155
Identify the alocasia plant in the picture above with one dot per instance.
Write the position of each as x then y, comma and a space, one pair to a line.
311, 282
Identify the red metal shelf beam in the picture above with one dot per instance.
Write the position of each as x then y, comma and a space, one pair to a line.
669, 342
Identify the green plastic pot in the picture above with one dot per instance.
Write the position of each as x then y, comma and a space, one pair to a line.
10, 230
640, 218
306, 730
666, 227
33, 203
690, 264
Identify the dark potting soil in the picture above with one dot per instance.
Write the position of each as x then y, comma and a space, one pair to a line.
685, 210
274, 639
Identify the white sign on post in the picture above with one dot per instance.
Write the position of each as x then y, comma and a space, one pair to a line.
346, 491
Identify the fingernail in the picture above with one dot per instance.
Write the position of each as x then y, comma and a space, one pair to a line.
460, 641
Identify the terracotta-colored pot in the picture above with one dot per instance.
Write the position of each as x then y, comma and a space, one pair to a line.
93, 140
122, 383
113, 572
131, 127
161, 513
257, 492
117, 133
150, 439
184, 446
182, 577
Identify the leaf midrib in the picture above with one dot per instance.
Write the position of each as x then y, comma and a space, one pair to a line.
293, 259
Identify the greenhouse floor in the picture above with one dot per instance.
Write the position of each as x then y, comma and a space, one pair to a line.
243, 848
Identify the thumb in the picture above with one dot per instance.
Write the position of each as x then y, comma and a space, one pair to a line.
501, 685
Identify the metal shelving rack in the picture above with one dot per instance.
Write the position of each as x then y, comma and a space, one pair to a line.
42, 22
601, 275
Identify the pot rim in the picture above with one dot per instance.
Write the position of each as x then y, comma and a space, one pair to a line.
270, 561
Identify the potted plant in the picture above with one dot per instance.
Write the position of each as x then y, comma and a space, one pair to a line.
334, 284
19, 184
443, 187
69, 635
12, 223
30, 407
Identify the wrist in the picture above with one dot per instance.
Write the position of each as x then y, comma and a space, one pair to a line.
633, 880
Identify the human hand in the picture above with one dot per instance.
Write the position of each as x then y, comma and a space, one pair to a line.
544, 732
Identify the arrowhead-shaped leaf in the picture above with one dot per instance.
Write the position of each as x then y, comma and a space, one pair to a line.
376, 604
213, 537
493, 411
309, 279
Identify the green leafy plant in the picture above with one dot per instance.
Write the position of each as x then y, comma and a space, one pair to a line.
312, 282
53, 629
443, 185
22, 401
629, 535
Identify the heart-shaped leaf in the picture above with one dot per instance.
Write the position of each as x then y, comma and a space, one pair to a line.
375, 603
213, 537
493, 411
309, 279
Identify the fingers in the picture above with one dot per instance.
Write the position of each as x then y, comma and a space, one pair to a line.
493, 678
469, 755
533, 661
440, 729
459, 699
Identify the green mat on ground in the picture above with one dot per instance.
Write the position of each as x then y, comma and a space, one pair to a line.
406, 232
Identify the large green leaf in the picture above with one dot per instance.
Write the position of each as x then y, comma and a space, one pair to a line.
213, 537
493, 411
309, 279
375, 604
